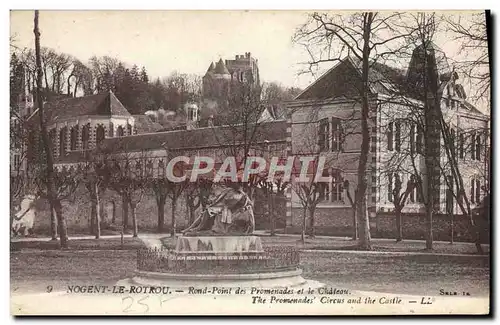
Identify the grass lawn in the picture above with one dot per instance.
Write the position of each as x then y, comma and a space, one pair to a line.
422, 275
34, 270
82, 244
336, 243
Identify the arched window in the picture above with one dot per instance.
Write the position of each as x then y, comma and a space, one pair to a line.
119, 131
149, 168
73, 137
99, 134
111, 130
62, 141
85, 136
129, 129
161, 168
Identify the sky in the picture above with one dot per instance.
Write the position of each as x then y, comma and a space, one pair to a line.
183, 41
164, 41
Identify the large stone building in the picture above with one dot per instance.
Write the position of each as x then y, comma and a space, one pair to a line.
220, 76
325, 120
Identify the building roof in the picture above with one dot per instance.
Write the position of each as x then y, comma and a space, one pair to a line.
211, 67
343, 81
144, 124
103, 104
196, 138
220, 68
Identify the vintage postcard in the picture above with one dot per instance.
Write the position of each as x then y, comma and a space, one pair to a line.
250, 162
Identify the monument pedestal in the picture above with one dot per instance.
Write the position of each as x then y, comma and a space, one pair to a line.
218, 245
228, 261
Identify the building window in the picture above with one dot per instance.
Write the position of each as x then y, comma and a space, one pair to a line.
419, 141
62, 141
337, 134
99, 134
119, 131
324, 135
85, 136
397, 140
389, 187
461, 142
73, 137
478, 191
149, 168
129, 129
111, 130
473, 146
390, 136
475, 190
337, 187
161, 168
478, 148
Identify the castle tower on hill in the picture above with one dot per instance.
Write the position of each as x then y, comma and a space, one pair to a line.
219, 77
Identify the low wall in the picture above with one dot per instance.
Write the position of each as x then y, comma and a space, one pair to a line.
77, 213
338, 222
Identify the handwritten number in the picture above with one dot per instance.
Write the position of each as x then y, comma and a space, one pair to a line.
49, 289
146, 305
127, 309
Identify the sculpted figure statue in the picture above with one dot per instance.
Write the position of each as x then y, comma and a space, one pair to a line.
229, 213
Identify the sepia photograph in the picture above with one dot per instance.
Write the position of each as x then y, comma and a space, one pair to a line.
250, 162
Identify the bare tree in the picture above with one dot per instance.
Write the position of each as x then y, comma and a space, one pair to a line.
367, 37
51, 190
130, 175
470, 31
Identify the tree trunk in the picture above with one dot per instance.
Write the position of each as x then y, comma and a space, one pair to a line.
61, 222
98, 214
452, 228
93, 212
477, 228
51, 190
365, 239
428, 224
303, 234
161, 213
311, 221
399, 225
355, 234
133, 207
125, 212
53, 223
173, 226
271, 214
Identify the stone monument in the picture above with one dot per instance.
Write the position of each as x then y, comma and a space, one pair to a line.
219, 248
